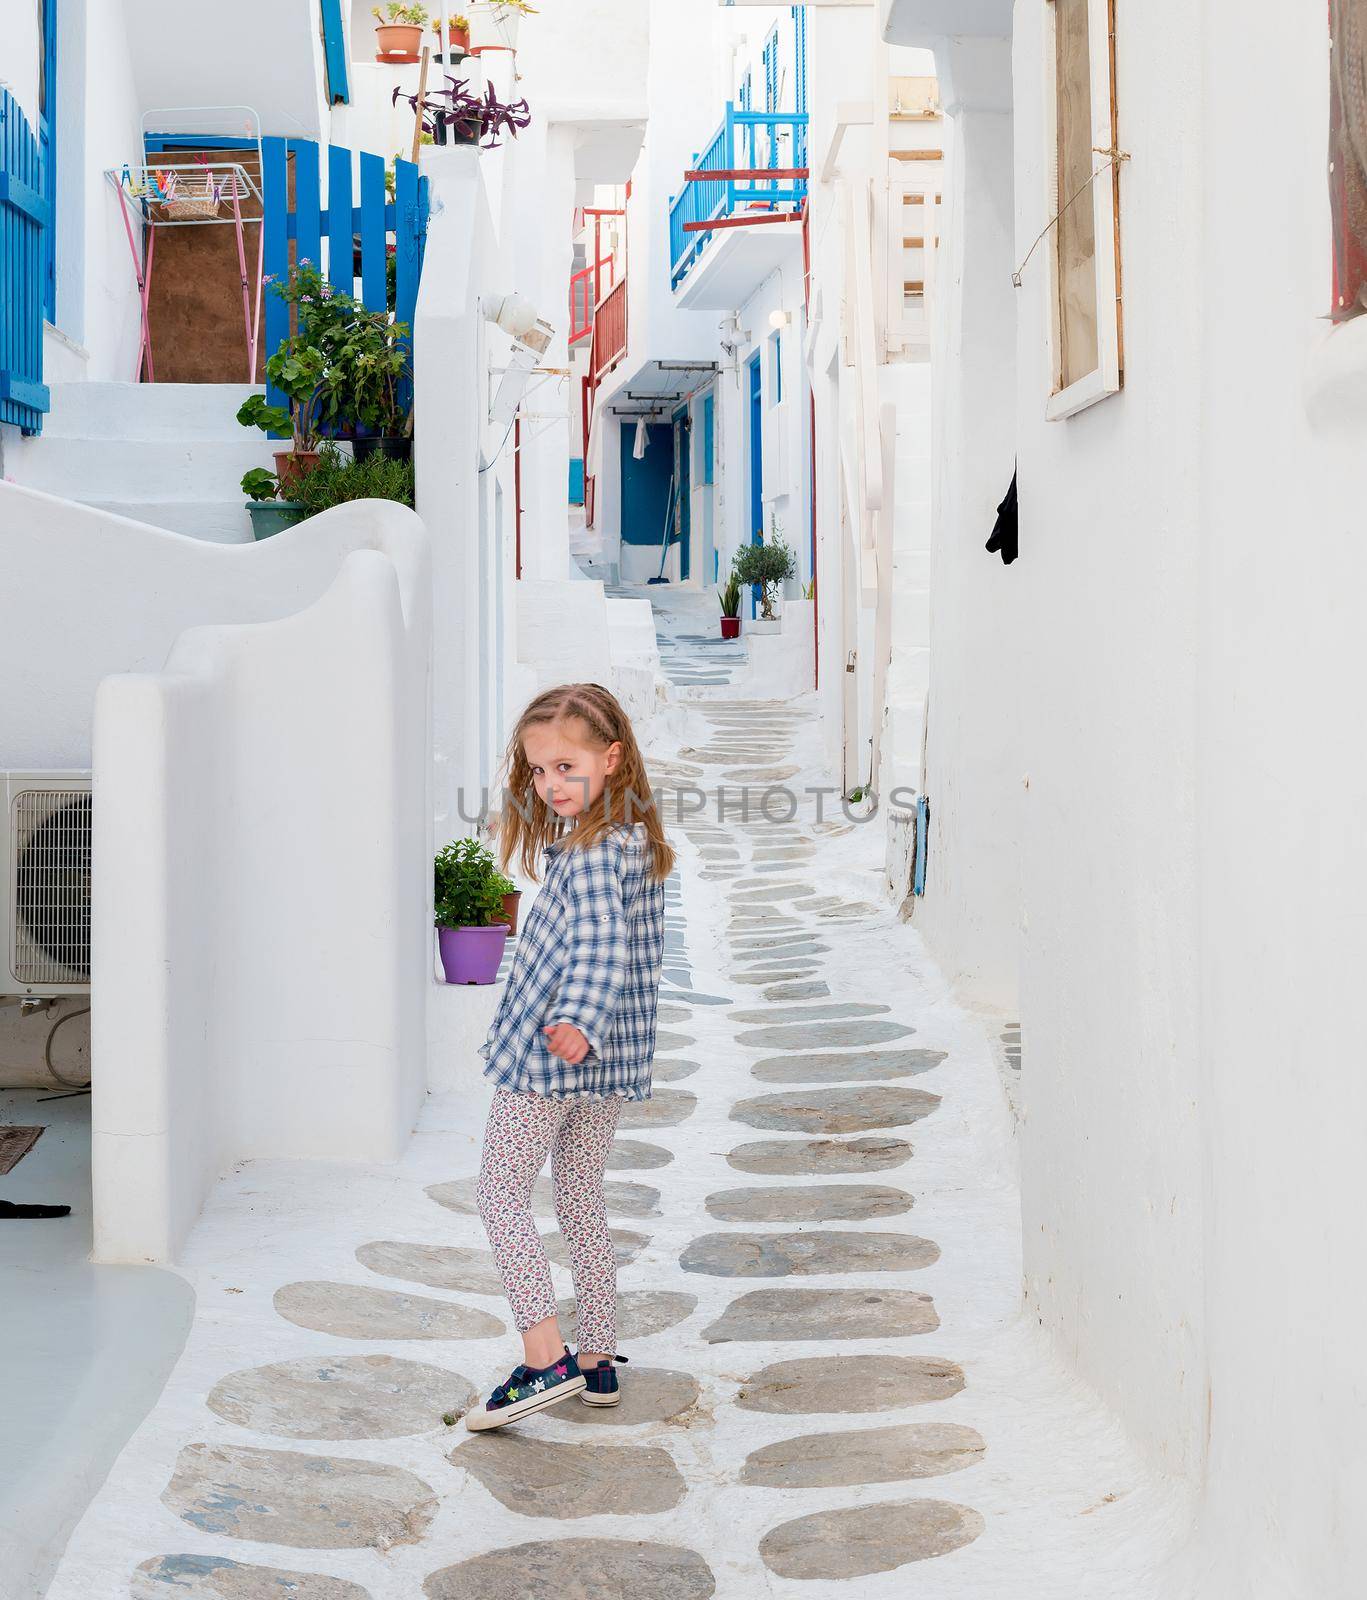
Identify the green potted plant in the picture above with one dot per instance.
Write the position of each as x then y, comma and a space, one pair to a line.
457, 38
339, 479
765, 565
398, 31
512, 899
270, 515
730, 607
494, 24
467, 910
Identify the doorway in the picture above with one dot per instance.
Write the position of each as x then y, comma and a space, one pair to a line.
683, 477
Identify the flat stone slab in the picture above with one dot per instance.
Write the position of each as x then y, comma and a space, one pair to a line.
307, 1502
340, 1397
778, 975
695, 998
871, 1455
626, 1244
826, 1013
635, 1155
539, 1478
798, 991
770, 893
623, 1199
356, 1311
649, 1394
577, 1569
667, 1043
665, 1109
760, 774
796, 1158
786, 1315
848, 1384
217, 1578
818, 1202
640, 1312
861, 1540
672, 1013
439, 1266
836, 1110
672, 1070
786, 953
847, 1066
849, 1035
805, 1255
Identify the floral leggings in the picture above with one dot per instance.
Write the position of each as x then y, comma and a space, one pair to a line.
577, 1134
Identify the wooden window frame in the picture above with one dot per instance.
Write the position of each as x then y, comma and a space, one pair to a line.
1108, 376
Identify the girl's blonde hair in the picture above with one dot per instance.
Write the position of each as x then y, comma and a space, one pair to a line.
526, 825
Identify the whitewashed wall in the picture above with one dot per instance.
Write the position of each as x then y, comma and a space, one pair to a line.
261, 893
1185, 658
976, 770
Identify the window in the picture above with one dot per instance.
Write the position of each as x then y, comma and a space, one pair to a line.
1348, 155
776, 369
1083, 206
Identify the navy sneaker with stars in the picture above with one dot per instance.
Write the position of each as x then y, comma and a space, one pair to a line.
600, 1384
527, 1389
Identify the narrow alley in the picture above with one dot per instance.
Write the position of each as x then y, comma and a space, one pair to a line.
817, 1227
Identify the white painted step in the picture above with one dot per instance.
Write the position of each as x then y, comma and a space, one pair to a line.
108, 469
147, 411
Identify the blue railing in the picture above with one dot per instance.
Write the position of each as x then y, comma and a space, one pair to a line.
746, 140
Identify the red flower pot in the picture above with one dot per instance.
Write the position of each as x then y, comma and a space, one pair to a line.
730, 627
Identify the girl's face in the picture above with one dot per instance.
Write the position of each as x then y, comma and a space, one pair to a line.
569, 773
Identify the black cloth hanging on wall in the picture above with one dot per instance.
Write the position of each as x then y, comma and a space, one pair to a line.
1005, 531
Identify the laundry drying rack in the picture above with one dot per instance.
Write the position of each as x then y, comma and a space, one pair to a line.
198, 193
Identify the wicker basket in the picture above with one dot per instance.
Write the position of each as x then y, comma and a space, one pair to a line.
194, 202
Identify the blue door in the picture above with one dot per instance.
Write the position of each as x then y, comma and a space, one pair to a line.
647, 486
683, 476
756, 462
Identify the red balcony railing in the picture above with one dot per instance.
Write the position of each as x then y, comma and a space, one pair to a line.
610, 330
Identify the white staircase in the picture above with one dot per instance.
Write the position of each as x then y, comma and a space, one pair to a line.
172, 454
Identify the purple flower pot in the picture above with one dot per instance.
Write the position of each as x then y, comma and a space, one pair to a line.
472, 955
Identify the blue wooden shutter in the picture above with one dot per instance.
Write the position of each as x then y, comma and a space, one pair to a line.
47, 151
800, 98
25, 218
335, 53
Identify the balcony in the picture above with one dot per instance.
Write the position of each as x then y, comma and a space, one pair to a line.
739, 213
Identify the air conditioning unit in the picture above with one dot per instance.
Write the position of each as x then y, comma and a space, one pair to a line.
45, 846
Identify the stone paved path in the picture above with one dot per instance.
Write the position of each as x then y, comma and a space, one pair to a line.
830, 1392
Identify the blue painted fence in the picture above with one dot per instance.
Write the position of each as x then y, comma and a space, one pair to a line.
750, 139
25, 217
329, 225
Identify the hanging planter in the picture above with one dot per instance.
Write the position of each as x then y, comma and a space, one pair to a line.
494, 24
398, 32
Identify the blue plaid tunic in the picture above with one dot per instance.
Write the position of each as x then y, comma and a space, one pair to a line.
590, 954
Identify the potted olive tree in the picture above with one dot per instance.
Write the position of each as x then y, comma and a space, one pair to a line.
765, 565
467, 909
398, 31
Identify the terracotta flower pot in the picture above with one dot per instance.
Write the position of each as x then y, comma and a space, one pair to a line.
397, 41
510, 905
293, 465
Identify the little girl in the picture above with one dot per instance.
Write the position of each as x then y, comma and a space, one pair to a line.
574, 1033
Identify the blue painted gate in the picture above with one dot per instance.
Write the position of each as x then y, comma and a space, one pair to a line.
347, 218
25, 218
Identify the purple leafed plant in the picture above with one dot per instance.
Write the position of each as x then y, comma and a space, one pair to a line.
473, 118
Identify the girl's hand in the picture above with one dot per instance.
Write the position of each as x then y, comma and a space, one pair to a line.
567, 1042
